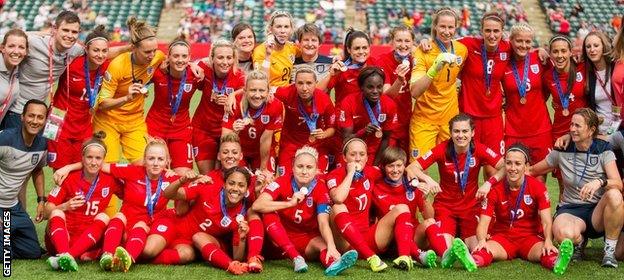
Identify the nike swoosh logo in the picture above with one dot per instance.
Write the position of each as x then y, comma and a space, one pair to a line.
382, 196
504, 202
357, 117
350, 80
162, 85
508, 72
76, 80
207, 205
448, 163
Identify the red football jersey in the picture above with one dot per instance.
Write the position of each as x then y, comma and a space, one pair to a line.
353, 114
268, 117
501, 202
75, 184
346, 83
77, 123
206, 213
209, 115
218, 181
301, 218
534, 112
452, 196
403, 100
385, 196
159, 118
134, 205
561, 123
358, 201
473, 97
295, 131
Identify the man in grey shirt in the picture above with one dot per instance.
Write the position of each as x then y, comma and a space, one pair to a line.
48, 56
22, 154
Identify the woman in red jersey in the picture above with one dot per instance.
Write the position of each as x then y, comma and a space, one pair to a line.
396, 65
296, 211
309, 120
76, 93
351, 189
169, 117
223, 78
369, 115
457, 198
75, 209
525, 99
394, 189
255, 121
523, 224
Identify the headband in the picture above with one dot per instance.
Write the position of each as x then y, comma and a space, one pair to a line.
143, 39
516, 149
93, 144
344, 147
96, 38
559, 37
179, 43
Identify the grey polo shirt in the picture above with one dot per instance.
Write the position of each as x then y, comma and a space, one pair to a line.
34, 71
5, 81
17, 162
320, 66
580, 167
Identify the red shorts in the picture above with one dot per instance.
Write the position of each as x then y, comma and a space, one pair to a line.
173, 235
301, 240
205, 144
539, 145
489, 132
464, 222
73, 236
517, 247
63, 152
253, 162
287, 154
181, 152
369, 236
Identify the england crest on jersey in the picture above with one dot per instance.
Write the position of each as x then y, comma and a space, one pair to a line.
309, 201
579, 77
534, 68
188, 87
410, 195
51, 157
473, 162
264, 119
150, 70
459, 60
503, 56
366, 185
381, 118
527, 199
105, 191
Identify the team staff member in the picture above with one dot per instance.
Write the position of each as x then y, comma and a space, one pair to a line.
296, 211
369, 115
76, 210
255, 120
277, 55
77, 93
22, 154
14, 50
309, 40
433, 84
168, 117
223, 79
456, 204
523, 225
591, 205
309, 120
244, 39
525, 98
396, 65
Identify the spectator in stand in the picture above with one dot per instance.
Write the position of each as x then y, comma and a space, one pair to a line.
577, 10
616, 22
564, 27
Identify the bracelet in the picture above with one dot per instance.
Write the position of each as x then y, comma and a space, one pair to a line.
492, 180
41, 199
603, 183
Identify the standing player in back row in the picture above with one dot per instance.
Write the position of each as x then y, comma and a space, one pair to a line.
433, 84
309, 40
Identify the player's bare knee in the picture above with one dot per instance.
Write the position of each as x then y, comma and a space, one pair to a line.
121, 217
428, 222
57, 213
566, 233
103, 218
150, 251
142, 225
400, 209
186, 254
338, 208
613, 197
199, 239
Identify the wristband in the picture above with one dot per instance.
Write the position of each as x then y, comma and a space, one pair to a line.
603, 183
432, 72
41, 199
492, 180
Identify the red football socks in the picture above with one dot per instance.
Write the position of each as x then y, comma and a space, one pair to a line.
437, 242
403, 232
277, 233
482, 258
88, 238
136, 242
255, 238
58, 234
352, 235
112, 235
167, 256
322, 256
215, 256
548, 261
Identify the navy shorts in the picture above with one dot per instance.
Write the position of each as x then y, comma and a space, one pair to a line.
583, 212
24, 241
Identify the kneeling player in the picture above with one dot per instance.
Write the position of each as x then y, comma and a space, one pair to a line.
301, 201
523, 225
75, 209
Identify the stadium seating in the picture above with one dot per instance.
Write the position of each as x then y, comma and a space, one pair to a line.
117, 11
597, 13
